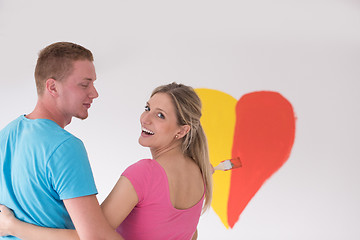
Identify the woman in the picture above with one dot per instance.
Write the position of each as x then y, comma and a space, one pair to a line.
162, 197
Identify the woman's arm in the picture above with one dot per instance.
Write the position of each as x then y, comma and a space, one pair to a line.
120, 202
9, 225
85, 213
195, 235
122, 199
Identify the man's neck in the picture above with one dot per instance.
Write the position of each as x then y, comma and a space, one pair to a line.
43, 110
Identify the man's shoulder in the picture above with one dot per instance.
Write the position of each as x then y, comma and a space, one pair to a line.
39, 132
9, 128
11, 124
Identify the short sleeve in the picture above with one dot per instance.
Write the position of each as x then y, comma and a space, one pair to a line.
139, 174
69, 170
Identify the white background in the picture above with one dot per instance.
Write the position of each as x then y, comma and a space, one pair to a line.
309, 51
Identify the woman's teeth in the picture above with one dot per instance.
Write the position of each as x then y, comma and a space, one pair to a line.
147, 131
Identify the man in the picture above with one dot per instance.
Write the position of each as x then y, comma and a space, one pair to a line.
45, 175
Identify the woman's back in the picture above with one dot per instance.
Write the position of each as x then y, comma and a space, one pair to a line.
163, 211
186, 185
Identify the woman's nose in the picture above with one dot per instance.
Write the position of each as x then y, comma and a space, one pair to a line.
145, 118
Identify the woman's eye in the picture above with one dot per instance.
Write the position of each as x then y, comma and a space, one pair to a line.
147, 108
160, 115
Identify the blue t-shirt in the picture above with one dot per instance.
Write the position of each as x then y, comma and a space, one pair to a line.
40, 165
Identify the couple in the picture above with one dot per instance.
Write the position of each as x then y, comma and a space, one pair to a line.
46, 178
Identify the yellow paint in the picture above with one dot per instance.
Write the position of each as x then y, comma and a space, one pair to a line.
218, 121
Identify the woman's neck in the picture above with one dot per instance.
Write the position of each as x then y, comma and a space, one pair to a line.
167, 153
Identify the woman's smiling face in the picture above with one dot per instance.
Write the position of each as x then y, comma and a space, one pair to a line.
159, 123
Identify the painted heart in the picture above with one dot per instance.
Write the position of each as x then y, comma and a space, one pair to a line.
260, 129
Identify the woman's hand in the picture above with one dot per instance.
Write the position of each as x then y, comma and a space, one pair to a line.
7, 220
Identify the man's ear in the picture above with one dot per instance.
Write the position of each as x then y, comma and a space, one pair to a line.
184, 129
51, 87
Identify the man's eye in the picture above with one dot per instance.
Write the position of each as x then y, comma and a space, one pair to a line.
147, 108
160, 115
85, 85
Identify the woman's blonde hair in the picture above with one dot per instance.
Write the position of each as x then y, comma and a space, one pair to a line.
188, 109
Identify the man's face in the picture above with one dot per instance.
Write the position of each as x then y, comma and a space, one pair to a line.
77, 91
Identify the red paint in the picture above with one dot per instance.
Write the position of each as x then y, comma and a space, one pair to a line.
236, 162
263, 138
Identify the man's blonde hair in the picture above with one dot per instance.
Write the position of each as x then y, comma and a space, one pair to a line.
56, 61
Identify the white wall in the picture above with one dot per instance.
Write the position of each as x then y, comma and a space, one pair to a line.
307, 50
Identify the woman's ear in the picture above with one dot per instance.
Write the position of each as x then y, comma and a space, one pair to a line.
184, 129
51, 87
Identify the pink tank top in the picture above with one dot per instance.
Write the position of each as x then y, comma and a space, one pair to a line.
154, 217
